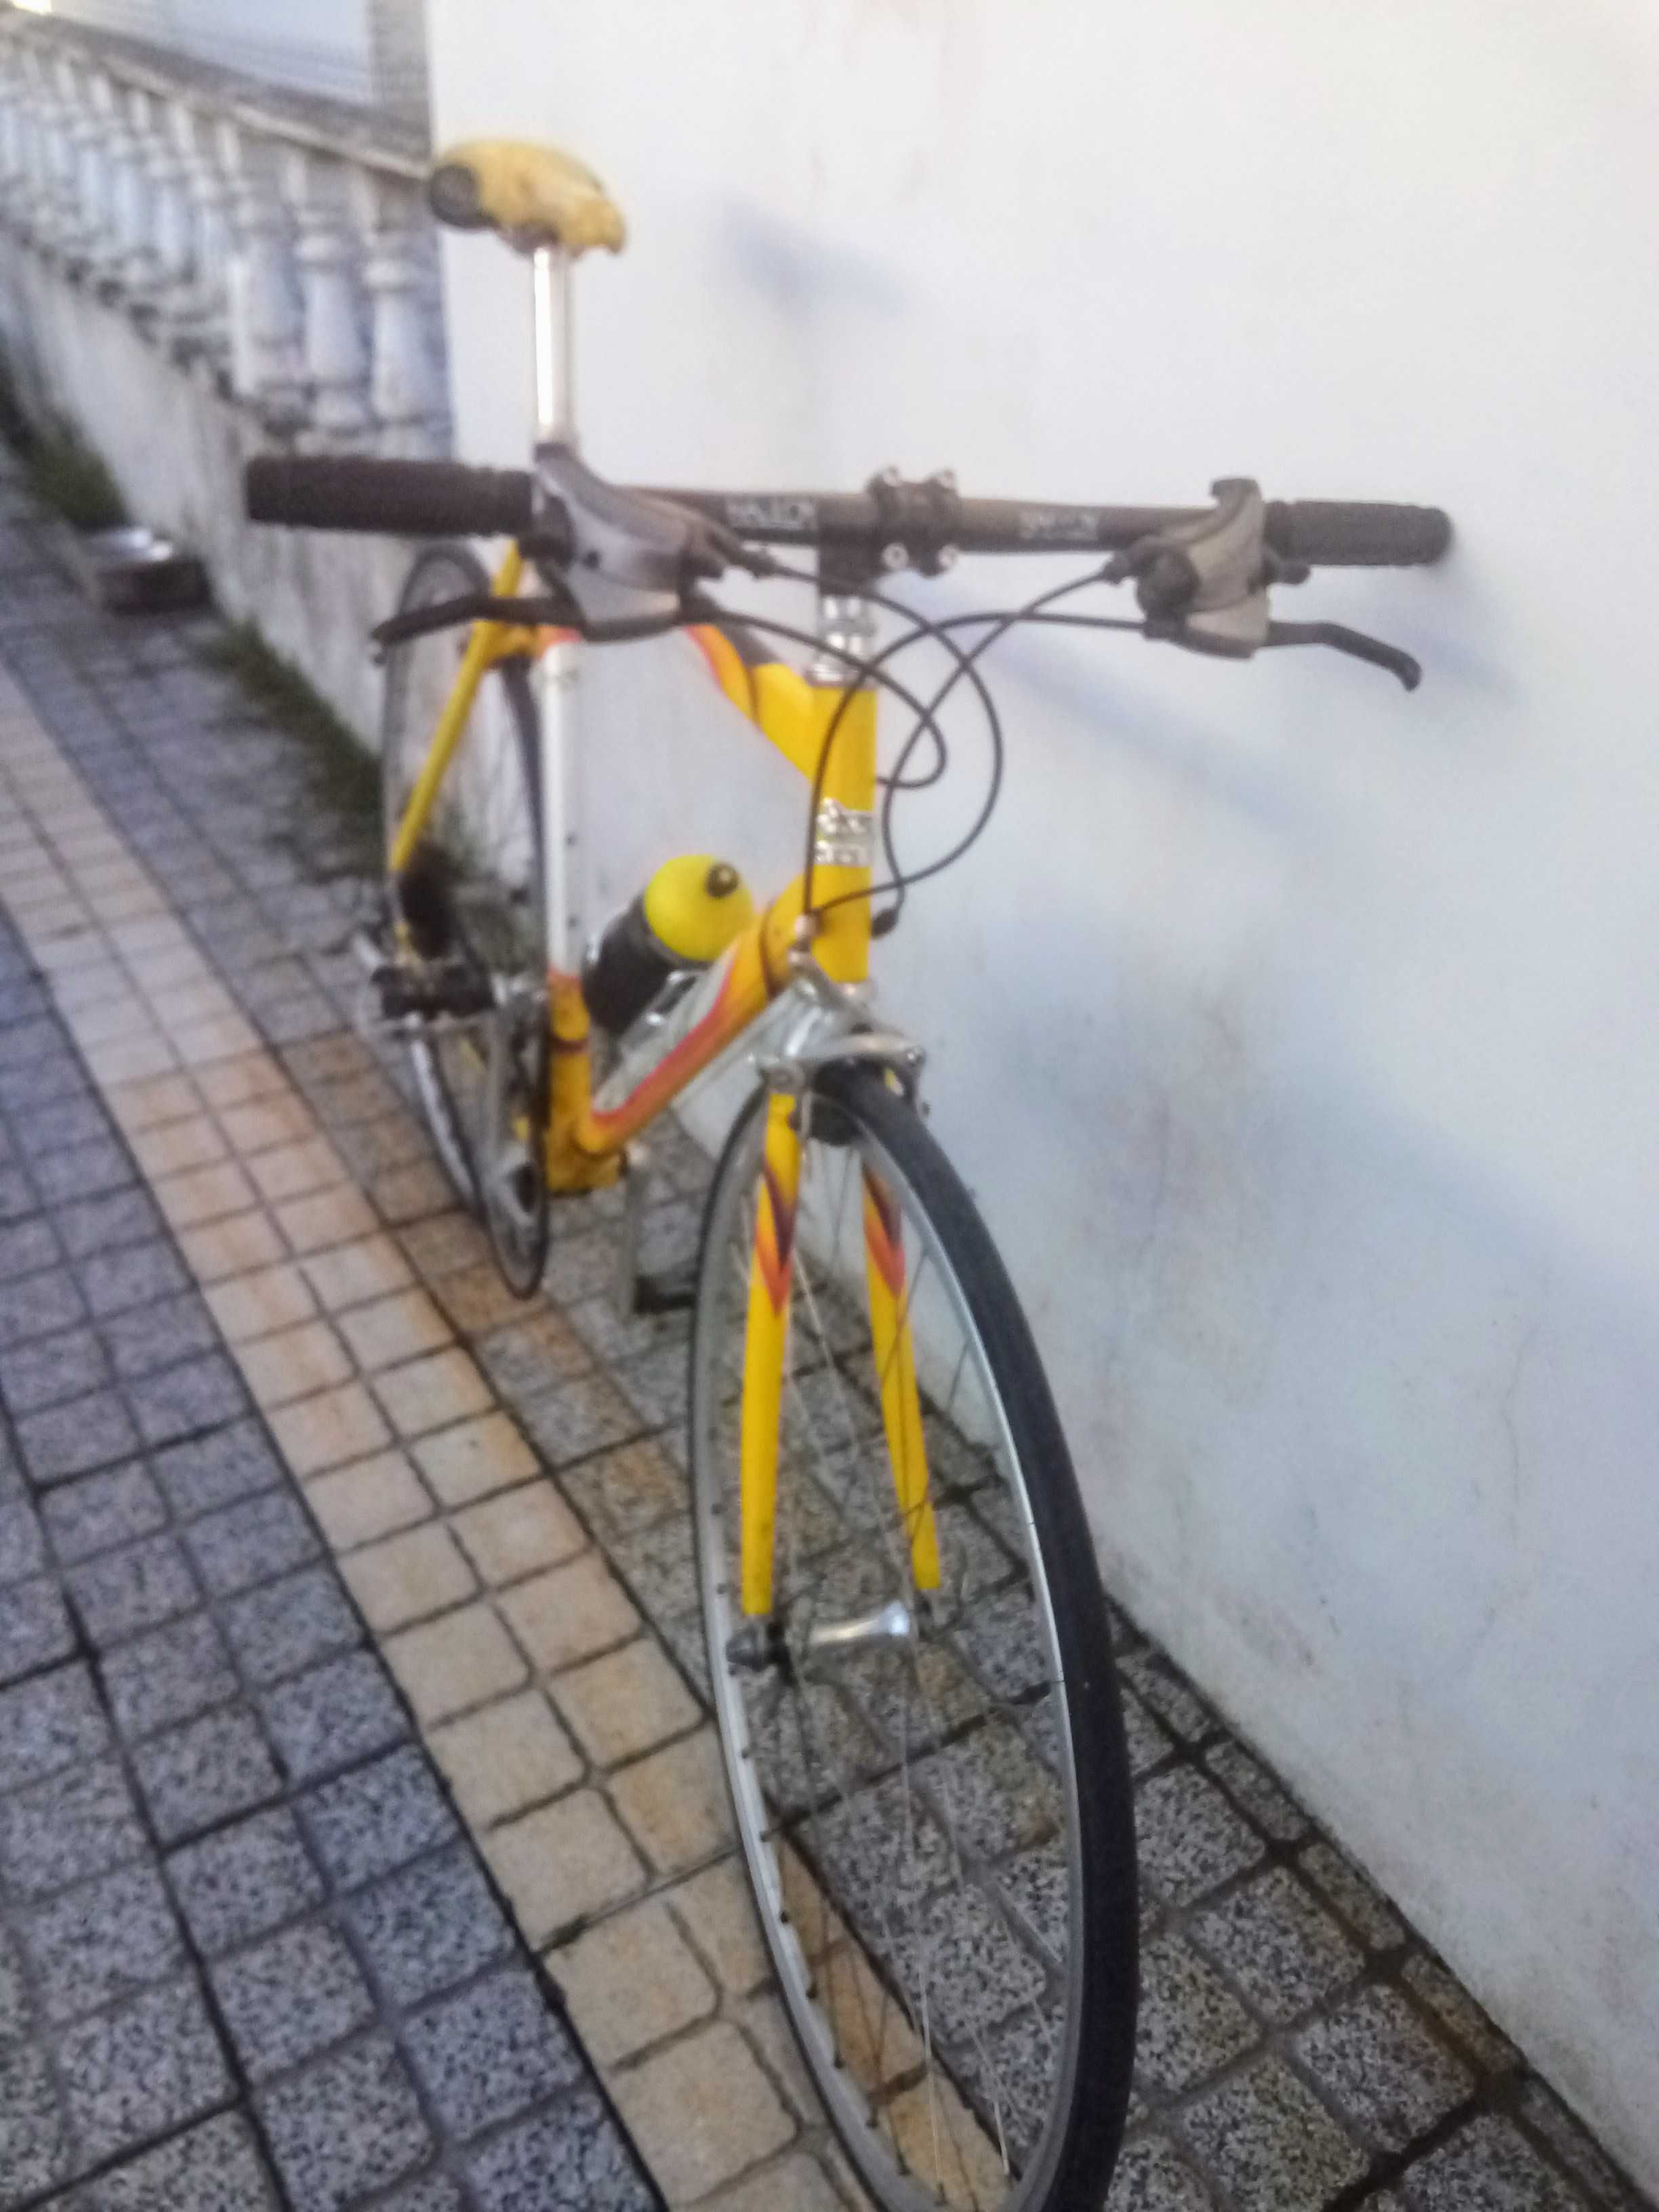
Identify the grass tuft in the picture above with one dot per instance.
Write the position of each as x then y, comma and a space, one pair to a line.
64, 474
62, 470
345, 779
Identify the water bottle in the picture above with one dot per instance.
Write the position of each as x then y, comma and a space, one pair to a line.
691, 909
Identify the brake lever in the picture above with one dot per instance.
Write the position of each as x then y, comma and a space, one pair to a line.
1354, 642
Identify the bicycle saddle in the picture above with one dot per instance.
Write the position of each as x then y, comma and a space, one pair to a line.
534, 196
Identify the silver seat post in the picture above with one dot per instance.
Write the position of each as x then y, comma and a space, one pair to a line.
555, 373
563, 835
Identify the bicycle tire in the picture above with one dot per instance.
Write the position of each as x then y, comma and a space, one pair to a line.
1068, 2163
441, 1081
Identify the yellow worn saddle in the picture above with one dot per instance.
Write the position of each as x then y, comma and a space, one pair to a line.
534, 196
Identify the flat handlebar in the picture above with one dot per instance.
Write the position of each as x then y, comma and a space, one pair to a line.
447, 499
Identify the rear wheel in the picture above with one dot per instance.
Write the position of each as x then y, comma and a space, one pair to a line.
469, 913
930, 1786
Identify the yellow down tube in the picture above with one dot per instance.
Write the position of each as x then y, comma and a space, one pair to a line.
896, 1370
765, 1344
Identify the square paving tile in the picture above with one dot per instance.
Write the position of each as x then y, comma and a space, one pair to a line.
22, 1548
333, 1714
459, 1660
701, 2111
505, 1757
198, 1393
168, 1675
1488, 2166
1190, 2026
571, 2155
1190, 1838
160, 1333
474, 1459
214, 1471
570, 1614
626, 1702
487, 2054
519, 1531
1152, 2177
578, 1417
102, 1511
344, 2126
328, 1430
34, 2141
49, 1369
291, 1995
1378, 2064
245, 1880
72, 1439
623, 1492
102, 1942
408, 1577
369, 1822
370, 1499
631, 1981
102, 1226
563, 1864
249, 1542
214, 2166
65, 1829
35, 1630
1271, 2144
283, 1626
430, 1926
1285, 1953
205, 1771
676, 1802
431, 1393
534, 1351
150, 2065
1369, 1914
49, 1723
35, 1304
119, 1593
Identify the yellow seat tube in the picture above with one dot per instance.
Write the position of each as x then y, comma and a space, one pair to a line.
482, 648
896, 1369
765, 1344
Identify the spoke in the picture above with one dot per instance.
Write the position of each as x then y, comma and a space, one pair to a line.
933, 1794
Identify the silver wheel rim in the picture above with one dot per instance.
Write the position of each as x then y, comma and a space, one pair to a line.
883, 2146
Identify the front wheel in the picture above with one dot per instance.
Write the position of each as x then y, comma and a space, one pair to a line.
923, 1738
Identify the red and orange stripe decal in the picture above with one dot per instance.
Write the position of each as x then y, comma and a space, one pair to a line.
726, 665
765, 1347
896, 1376
774, 1237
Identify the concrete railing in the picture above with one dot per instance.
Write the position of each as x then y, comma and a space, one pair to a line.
194, 268
274, 244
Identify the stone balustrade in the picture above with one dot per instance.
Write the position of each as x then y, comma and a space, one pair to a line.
275, 245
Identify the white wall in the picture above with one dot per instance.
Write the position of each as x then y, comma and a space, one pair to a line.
1330, 1017
317, 45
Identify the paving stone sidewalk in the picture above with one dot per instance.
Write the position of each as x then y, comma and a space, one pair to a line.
247, 1951
243, 1326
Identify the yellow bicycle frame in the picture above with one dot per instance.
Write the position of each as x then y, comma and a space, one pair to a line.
583, 1146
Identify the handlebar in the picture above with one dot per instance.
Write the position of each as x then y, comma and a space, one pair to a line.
394, 499
446, 499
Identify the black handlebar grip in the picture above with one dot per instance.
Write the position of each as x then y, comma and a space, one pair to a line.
397, 499
1354, 533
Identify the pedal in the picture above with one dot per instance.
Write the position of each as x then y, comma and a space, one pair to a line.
398, 996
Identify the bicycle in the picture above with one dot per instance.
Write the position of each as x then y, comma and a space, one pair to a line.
908, 1645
